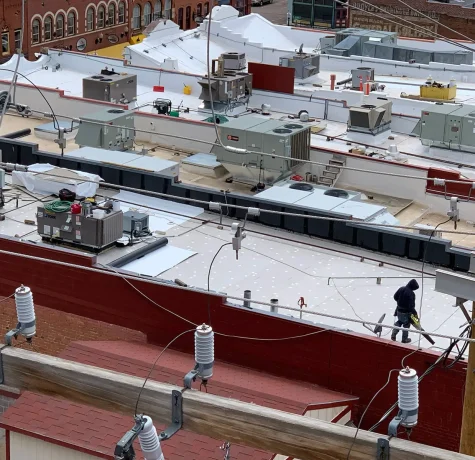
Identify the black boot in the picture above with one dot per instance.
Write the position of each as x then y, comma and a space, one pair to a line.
406, 340
393, 337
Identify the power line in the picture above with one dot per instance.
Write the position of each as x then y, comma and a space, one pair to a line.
200, 291
269, 211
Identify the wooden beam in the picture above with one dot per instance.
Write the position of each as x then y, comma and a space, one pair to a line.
220, 418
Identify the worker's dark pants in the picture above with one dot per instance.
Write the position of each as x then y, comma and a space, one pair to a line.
403, 320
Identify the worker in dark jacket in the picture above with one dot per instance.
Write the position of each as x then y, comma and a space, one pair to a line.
406, 306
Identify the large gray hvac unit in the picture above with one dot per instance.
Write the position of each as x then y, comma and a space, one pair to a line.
111, 129
81, 230
305, 65
448, 126
234, 61
370, 117
113, 87
283, 138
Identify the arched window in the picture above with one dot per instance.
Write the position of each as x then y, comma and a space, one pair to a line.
111, 15
72, 23
90, 18
147, 14
121, 12
59, 26
136, 23
180, 18
101, 17
206, 9
168, 9
157, 10
48, 28
35, 31
199, 11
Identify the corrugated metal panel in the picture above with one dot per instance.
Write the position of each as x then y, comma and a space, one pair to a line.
300, 146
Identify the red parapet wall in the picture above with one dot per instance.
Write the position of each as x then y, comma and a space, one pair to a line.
341, 361
272, 77
463, 191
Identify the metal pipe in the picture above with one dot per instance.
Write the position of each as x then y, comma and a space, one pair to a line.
124, 260
247, 295
332, 81
17, 134
274, 308
342, 82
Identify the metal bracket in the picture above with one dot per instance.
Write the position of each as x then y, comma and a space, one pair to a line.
11, 334
382, 452
190, 377
177, 416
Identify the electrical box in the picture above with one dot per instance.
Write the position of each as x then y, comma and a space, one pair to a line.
115, 88
305, 65
448, 126
81, 230
135, 221
438, 91
111, 129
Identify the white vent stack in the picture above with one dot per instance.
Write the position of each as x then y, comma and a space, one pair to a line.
25, 311
149, 442
408, 396
204, 351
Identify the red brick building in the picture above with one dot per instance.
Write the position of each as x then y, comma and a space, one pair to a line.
459, 18
88, 25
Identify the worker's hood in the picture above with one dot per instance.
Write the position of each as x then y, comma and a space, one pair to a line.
413, 285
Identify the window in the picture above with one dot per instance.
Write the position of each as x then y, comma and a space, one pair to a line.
157, 10
6, 43
111, 15
147, 14
90, 19
121, 12
71, 23
168, 9
188, 17
198, 10
18, 40
136, 23
206, 9
35, 31
101, 17
180, 18
60, 26
48, 28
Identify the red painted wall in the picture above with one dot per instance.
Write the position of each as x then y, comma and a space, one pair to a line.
346, 362
272, 77
461, 190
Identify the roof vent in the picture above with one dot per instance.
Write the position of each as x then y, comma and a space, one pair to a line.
368, 106
106, 79
301, 186
115, 111
282, 131
293, 126
337, 193
97, 77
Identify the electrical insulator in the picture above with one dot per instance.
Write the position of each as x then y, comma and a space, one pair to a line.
204, 351
25, 312
408, 396
149, 442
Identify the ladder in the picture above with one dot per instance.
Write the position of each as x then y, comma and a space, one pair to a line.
332, 172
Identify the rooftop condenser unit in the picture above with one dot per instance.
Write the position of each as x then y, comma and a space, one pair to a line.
371, 118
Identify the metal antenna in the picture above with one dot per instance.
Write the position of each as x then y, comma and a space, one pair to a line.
226, 447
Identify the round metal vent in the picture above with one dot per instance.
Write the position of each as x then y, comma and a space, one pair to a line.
115, 111
368, 106
337, 193
97, 77
302, 186
106, 79
282, 131
293, 126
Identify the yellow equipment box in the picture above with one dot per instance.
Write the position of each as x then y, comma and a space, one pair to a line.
435, 91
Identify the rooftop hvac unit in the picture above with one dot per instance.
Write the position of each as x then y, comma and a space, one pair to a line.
291, 140
113, 87
448, 126
361, 75
111, 129
305, 65
234, 61
372, 118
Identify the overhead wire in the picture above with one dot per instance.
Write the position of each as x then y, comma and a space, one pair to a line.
15, 73
209, 276
201, 291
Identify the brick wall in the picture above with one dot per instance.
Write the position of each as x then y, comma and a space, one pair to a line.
346, 362
56, 330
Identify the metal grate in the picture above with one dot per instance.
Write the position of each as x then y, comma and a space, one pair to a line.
300, 147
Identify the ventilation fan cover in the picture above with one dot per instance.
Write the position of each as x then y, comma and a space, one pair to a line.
282, 131
97, 77
115, 111
293, 126
337, 193
302, 186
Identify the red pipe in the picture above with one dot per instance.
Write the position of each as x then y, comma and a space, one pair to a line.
332, 81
